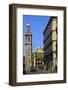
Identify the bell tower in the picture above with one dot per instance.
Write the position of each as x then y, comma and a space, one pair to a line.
28, 48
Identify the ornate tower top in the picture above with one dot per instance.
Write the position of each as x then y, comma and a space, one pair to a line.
28, 29
28, 24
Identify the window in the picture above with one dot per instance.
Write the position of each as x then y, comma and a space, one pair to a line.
29, 52
28, 38
29, 46
26, 46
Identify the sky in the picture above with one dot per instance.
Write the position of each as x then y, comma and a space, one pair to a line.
37, 26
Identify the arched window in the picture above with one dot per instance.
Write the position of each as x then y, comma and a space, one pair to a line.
28, 38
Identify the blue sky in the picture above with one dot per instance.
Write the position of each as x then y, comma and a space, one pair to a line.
37, 26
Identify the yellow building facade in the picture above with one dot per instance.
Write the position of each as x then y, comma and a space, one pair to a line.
50, 44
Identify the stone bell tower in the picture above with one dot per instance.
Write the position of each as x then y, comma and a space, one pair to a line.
28, 48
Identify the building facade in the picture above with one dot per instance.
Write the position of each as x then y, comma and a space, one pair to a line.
38, 56
28, 49
50, 45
